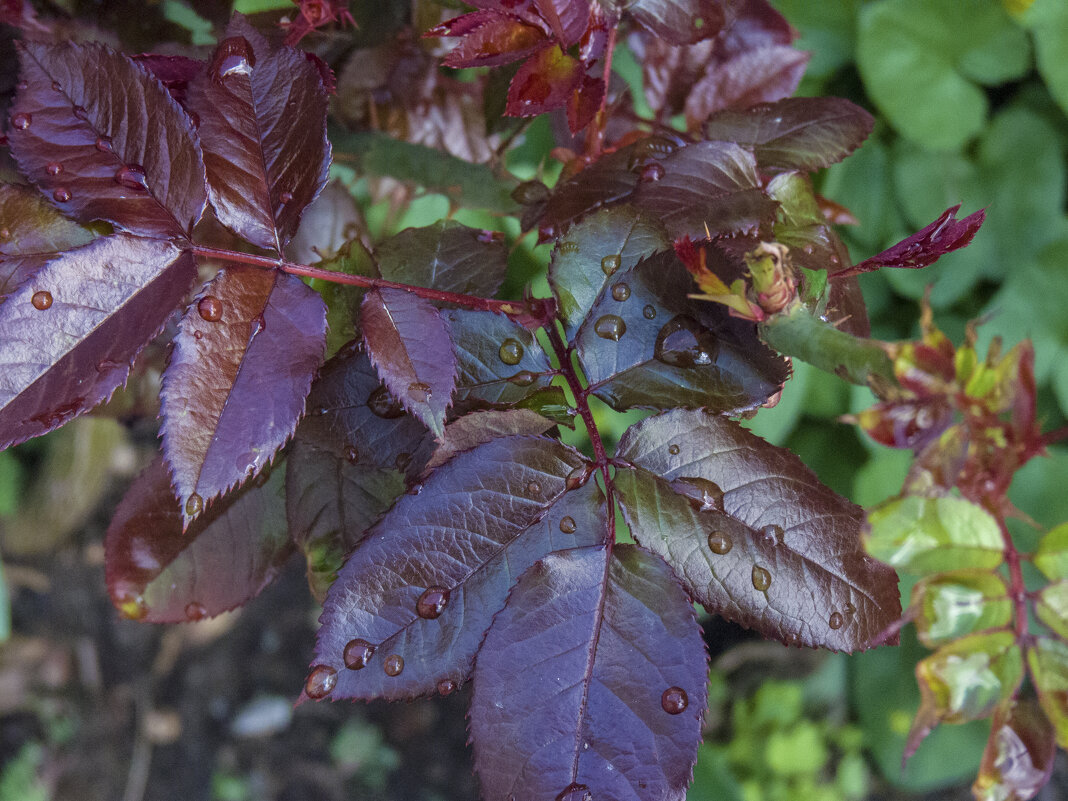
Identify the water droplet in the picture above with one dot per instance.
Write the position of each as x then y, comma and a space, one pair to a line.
524, 378
836, 621
653, 171
609, 264
383, 404
57, 86
610, 326
54, 168
22, 120
103, 144
575, 792
131, 605
704, 495
849, 609
41, 300
5, 234
446, 687
210, 308
61, 195
194, 505
132, 176
198, 335
393, 665
620, 292
567, 525
674, 700
402, 461
195, 611
285, 197
419, 392
673, 450
533, 488
578, 477
80, 112
320, 682
234, 56
761, 578
568, 247
719, 543
683, 342
352, 454
432, 603
357, 654
511, 352
649, 313
773, 534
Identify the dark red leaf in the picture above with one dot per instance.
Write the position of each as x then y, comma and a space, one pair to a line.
174, 72
249, 329
263, 167
478, 428
591, 683
927, 246
755, 76
515, 501
69, 333
158, 573
680, 22
752, 533
567, 19
109, 143
410, 345
490, 39
447, 256
584, 102
544, 82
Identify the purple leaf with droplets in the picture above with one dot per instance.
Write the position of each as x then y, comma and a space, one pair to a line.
593, 675
243, 362
109, 143
752, 533
69, 334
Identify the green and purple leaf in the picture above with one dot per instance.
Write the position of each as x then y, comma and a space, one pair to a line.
447, 256
1018, 759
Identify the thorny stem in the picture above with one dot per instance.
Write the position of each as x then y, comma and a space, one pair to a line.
595, 138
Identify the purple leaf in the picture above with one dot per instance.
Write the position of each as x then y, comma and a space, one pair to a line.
174, 72
752, 533
591, 683
159, 573
516, 507
69, 334
446, 256
105, 140
754, 76
247, 331
680, 22
263, 168
410, 345
927, 246
478, 428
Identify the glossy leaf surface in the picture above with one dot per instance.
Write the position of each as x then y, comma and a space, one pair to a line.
447, 256
593, 679
680, 21
478, 428
926, 246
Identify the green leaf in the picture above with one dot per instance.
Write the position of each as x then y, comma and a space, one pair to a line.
930, 535
1052, 607
1048, 21
1047, 660
1052, 554
828, 31
951, 605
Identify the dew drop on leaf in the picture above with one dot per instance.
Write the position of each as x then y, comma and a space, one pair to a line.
673, 450
575, 792
234, 56
198, 335
674, 700
511, 352
649, 313
524, 378
393, 665
773, 534
62, 195
610, 326
80, 112
568, 247
653, 171
567, 525
719, 543
103, 144
836, 620
680, 343
577, 478
357, 654
54, 168
320, 681
849, 608
446, 687
285, 197
130, 605
620, 292
41, 300
132, 176
194, 505
432, 603
57, 86
21, 121
419, 392
195, 611
352, 454
704, 495
609, 264
761, 578
533, 488
383, 404
210, 308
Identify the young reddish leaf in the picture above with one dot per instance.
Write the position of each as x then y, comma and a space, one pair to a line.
680, 22
584, 102
448, 256
927, 246
1018, 758
263, 168
591, 683
544, 82
478, 428
755, 76
490, 39
248, 329
105, 140
31, 233
798, 133
70, 332
419, 591
645, 343
411, 347
752, 533
159, 572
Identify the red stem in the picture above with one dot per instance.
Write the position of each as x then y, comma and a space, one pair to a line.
595, 140
1017, 588
1055, 436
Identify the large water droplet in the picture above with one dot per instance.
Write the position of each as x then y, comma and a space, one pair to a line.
649, 313
320, 682
704, 495
610, 326
41, 300
419, 392
719, 543
620, 292
673, 450
383, 404
103, 144
234, 56
683, 342
357, 654
609, 264
194, 505
54, 168
132, 176
195, 611
393, 665
674, 700
578, 477
652, 171
210, 308
524, 378
432, 602
836, 620
446, 687
772, 534
511, 352
761, 578
22, 120
61, 195
567, 525
575, 792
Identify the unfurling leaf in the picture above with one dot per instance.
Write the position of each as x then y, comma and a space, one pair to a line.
928, 245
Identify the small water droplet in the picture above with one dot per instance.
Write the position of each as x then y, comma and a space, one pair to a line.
195, 611
352, 454
683, 342
393, 665
432, 603
533, 488
22, 120
234, 56
524, 378
80, 112
836, 620
649, 313
41, 300
620, 292
419, 392
609, 264
54, 168
577, 477
320, 682
383, 404
761, 578
210, 308
673, 450
719, 543
357, 654
198, 335
568, 247
849, 609
62, 195
575, 792
567, 525
131, 605
674, 700
194, 505
285, 197
103, 144
773, 534
610, 326
653, 171
57, 86
446, 687
132, 176
704, 495
511, 352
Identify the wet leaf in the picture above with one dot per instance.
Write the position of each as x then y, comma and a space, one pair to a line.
544, 82
248, 329
490, 39
927, 246
951, 605
410, 345
1047, 661
515, 502
447, 256
478, 428
1018, 758
757, 75
109, 144
70, 333
680, 21
752, 533
262, 169
592, 679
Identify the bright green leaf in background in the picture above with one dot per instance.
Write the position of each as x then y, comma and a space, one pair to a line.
1048, 21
